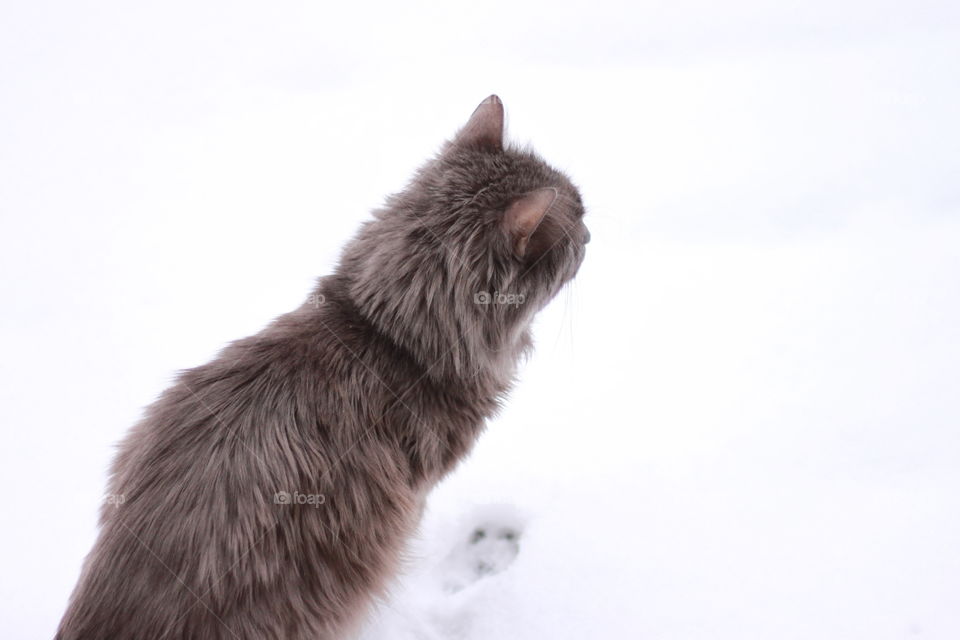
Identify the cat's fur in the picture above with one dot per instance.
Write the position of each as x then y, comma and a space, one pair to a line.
355, 405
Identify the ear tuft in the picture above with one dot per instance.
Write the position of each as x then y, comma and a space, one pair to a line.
485, 127
524, 215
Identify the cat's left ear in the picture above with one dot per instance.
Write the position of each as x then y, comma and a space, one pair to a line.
524, 215
485, 127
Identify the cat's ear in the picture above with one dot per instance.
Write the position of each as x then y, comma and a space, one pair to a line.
524, 215
485, 127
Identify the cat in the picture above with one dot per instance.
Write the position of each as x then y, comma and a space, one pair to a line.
268, 494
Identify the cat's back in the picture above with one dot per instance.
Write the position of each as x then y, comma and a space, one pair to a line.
275, 451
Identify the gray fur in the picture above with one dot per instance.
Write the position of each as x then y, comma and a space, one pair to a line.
359, 401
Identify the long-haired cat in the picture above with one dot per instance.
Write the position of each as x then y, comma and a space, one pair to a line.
268, 494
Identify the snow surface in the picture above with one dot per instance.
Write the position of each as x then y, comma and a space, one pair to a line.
741, 420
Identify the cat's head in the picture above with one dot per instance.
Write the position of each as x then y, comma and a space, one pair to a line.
456, 265
528, 215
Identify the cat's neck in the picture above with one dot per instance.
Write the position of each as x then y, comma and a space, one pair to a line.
470, 360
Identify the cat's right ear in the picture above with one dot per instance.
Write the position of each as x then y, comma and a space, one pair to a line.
485, 127
523, 217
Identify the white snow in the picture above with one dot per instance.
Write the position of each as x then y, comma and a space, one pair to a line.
740, 422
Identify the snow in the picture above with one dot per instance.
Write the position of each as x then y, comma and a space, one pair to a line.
741, 420
788, 469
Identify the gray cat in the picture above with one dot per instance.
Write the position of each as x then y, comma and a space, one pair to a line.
269, 493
